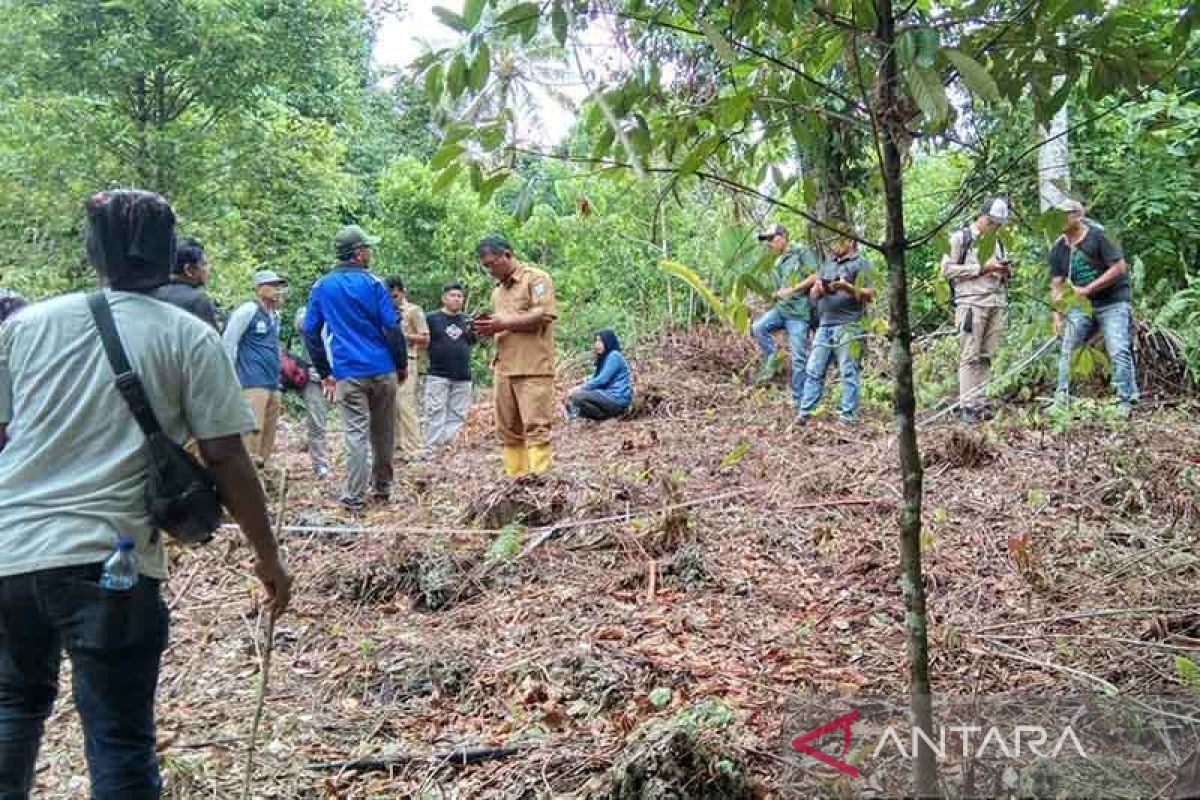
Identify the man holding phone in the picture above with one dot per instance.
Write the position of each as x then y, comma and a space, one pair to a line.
980, 293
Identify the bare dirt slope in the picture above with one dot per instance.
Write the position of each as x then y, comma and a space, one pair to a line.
710, 565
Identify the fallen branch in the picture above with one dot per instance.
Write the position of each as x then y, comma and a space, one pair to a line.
1101, 612
463, 755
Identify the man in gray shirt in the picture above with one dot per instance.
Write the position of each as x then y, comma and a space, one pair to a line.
842, 291
73, 467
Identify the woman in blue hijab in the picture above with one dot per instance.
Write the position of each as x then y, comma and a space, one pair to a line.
608, 392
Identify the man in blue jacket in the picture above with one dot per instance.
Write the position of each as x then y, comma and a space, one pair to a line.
370, 360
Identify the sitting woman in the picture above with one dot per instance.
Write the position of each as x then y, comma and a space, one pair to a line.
608, 392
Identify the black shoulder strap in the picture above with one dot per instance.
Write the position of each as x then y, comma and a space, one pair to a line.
967, 241
128, 383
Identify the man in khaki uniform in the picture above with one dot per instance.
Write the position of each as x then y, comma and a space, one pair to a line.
981, 301
522, 318
409, 440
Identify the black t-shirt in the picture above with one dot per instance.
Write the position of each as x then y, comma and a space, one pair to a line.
450, 340
1088, 261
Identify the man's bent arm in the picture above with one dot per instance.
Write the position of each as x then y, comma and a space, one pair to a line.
1111, 275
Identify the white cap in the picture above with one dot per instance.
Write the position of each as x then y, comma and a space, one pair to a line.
997, 209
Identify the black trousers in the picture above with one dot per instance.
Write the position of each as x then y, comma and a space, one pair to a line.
591, 404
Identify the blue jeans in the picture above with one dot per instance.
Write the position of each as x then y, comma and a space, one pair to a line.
797, 333
828, 339
1116, 325
115, 641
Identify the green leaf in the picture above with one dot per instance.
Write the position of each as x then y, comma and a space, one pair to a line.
480, 68
456, 77
660, 697
695, 159
639, 136
736, 454
490, 185
1189, 672
524, 205
926, 47
491, 136
445, 154
906, 48
718, 41
927, 90
986, 246
1052, 222
977, 79
689, 276
433, 83
473, 11
475, 174
451, 20
447, 176
519, 14
559, 22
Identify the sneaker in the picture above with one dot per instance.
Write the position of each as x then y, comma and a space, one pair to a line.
352, 503
381, 493
845, 420
970, 416
322, 473
801, 420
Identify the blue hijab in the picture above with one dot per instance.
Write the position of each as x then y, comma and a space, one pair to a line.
611, 345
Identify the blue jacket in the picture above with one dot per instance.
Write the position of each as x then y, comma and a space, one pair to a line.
365, 339
612, 379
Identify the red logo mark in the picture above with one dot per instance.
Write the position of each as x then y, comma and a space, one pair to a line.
842, 723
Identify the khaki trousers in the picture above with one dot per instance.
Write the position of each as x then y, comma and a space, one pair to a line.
977, 348
524, 409
409, 442
265, 405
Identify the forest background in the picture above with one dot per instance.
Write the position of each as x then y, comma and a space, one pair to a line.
267, 125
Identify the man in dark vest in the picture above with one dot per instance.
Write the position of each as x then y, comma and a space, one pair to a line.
252, 341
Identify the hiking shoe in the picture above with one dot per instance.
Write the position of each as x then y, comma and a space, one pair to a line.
352, 503
845, 420
381, 493
970, 416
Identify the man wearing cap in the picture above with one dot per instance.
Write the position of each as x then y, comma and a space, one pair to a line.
793, 275
416, 336
1088, 273
980, 293
251, 339
369, 361
524, 312
185, 289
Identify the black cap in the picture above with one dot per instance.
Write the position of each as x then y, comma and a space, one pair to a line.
452, 286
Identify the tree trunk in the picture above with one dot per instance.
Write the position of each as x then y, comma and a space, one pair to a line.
141, 116
911, 577
1054, 170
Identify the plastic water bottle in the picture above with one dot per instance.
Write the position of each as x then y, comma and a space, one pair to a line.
120, 571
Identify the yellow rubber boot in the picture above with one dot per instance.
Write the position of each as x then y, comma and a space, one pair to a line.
516, 461
539, 458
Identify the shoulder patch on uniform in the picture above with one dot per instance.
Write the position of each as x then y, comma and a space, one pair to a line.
539, 290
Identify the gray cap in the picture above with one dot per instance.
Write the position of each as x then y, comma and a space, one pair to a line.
997, 210
266, 276
1071, 206
773, 230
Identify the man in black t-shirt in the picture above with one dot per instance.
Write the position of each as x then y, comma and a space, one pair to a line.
448, 382
1087, 266
185, 288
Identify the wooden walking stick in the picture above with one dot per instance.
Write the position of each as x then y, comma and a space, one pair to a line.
268, 646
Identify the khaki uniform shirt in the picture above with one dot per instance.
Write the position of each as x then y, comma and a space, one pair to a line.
525, 353
971, 286
412, 321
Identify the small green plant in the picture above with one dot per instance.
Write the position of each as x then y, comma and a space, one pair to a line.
506, 545
1189, 672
